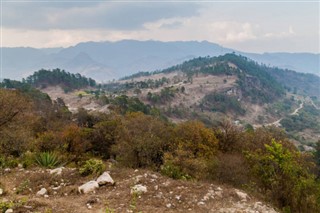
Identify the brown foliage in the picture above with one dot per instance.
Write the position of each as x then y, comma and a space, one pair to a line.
141, 141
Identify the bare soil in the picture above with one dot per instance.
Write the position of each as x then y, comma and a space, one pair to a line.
163, 194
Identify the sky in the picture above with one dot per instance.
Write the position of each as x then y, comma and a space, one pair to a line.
251, 26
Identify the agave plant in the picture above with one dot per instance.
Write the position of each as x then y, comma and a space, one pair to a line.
47, 159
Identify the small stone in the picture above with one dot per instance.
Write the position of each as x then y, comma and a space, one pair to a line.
20, 166
56, 188
154, 176
200, 203
46, 196
1, 191
219, 194
138, 189
9, 211
156, 187
57, 171
138, 178
178, 197
169, 205
42, 192
218, 189
136, 170
242, 196
7, 170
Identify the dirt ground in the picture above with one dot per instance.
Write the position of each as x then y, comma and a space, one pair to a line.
163, 194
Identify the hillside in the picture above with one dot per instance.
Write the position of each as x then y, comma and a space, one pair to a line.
173, 140
229, 86
105, 61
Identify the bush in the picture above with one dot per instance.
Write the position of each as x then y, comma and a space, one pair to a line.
195, 147
8, 162
142, 141
285, 177
92, 167
47, 159
173, 171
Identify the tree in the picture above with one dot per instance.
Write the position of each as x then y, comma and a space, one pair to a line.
141, 141
284, 176
13, 105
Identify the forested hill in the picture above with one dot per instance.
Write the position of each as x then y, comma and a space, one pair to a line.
274, 80
68, 81
254, 82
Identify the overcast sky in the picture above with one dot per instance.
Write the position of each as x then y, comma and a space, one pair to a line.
268, 26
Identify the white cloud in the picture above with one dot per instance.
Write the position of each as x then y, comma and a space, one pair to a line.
285, 34
231, 25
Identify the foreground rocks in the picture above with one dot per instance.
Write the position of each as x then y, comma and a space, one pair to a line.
134, 191
92, 185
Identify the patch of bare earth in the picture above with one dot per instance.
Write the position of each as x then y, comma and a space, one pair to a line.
163, 194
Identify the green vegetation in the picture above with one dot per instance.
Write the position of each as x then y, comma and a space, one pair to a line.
92, 167
47, 159
221, 103
68, 81
307, 118
261, 160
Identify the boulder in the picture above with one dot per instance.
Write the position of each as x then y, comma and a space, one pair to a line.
139, 189
88, 187
42, 192
104, 179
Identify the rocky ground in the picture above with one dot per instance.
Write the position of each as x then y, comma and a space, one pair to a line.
42, 190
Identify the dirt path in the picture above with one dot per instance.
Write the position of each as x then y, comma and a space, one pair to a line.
295, 112
277, 122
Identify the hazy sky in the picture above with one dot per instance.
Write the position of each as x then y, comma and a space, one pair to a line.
255, 26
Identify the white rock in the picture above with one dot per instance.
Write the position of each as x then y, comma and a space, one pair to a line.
219, 189
242, 196
154, 176
200, 203
46, 196
1, 191
57, 171
104, 179
7, 170
138, 189
42, 192
56, 188
169, 205
88, 187
9, 211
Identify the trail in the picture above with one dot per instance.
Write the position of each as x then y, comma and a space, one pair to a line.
315, 106
277, 122
295, 112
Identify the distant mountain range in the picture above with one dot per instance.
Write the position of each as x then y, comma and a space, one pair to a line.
105, 61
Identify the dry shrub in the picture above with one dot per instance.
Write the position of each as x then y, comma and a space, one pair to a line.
231, 169
141, 141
